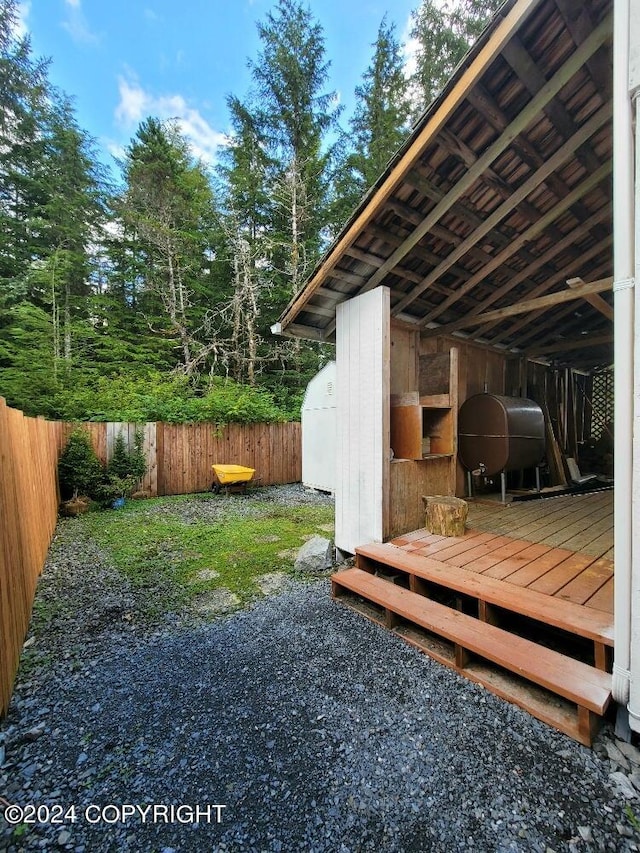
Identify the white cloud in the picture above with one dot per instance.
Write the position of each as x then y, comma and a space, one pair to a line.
76, 23
22, 27
409, 48
116, 149
136, 104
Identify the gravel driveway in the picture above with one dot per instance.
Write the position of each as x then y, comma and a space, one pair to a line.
315, 729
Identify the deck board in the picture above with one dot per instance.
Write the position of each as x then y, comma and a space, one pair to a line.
562, 574
587, 583
603, 598
582, 523
539, 567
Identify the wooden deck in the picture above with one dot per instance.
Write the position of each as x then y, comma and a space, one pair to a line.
582, 523
517, 613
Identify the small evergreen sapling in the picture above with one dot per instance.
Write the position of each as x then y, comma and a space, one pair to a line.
125, 470
79, 470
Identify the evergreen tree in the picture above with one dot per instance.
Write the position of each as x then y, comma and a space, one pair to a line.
246, 218
167, 215
295, 115
444, 32
380, 122
24, 90
71, 219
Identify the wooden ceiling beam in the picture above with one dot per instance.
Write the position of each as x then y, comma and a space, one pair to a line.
529, 321
374, 261
535, 180
485, 104
471, 217
491, 179
532, 79
569, 345
594, 300
320, 310
544, 302
556, 276
566, 272
298, 330
522, 120
579, 22
420, 252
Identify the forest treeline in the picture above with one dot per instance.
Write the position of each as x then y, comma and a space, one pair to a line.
149, 295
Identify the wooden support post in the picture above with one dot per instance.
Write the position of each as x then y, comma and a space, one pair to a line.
487, 613
462, 656
336, 589
588, 725
419, 586
391, 619
365, 564
600, 655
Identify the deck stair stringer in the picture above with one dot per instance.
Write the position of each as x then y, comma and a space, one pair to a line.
565, 693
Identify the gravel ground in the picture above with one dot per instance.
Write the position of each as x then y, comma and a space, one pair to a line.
315, 729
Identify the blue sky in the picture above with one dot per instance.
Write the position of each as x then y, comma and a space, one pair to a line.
123, 60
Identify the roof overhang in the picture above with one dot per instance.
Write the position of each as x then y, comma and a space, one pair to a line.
494, 220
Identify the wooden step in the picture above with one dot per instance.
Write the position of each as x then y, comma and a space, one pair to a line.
590, 623
586, 688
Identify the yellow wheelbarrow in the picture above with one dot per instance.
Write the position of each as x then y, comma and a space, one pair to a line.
232, 476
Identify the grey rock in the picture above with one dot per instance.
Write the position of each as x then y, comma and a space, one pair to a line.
34, 733
629, 750
616, 756
622, 785
64, 837
585, 833
316, 555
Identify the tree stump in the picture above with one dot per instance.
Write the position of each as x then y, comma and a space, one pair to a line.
445, 515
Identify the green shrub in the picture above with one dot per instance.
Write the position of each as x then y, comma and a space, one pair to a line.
79, 469
126, 462
124, 471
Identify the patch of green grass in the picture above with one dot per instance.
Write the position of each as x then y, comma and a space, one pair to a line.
162, 545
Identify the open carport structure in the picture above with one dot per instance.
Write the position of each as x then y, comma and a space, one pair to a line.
500, 236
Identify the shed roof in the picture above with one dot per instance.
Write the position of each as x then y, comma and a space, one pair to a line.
494, 219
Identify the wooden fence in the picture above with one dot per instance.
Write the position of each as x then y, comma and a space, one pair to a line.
179, 460
28, 511
180, 456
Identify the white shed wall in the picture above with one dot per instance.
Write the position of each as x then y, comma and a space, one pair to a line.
319, 431
362, 358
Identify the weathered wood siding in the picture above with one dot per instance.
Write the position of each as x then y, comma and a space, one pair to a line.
479, 369
362, 416
28, 512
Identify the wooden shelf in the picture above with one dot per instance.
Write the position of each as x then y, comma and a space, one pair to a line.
413, 426
435, 401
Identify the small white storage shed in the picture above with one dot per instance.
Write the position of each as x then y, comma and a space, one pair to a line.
319, 431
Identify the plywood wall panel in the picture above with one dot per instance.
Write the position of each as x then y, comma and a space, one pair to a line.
362, 418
